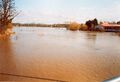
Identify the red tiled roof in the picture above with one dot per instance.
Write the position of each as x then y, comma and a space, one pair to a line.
110, 25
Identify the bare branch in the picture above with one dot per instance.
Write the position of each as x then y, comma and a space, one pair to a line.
7, 11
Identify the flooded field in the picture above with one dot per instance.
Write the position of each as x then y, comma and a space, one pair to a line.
59, 55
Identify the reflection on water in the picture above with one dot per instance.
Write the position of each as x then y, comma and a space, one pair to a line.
60, 54
6, 57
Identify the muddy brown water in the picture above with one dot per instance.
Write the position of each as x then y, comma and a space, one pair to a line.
58, 55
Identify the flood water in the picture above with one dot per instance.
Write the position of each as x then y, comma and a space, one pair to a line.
58, 55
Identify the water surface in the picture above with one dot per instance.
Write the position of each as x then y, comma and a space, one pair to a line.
59, 54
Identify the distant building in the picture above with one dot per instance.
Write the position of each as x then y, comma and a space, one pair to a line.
111, 27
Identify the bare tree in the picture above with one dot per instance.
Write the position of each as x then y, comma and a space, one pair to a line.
7, 11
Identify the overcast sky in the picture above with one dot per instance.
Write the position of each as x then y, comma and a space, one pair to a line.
60, 11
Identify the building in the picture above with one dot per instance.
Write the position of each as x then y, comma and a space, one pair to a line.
111, 27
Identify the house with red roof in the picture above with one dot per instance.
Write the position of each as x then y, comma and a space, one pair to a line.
111, 27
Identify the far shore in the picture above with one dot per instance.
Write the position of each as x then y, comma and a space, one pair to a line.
41, 25
104, 27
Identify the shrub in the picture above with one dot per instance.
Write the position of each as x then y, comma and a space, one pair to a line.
73, 26
83, 27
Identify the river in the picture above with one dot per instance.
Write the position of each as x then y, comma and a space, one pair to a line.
58, 55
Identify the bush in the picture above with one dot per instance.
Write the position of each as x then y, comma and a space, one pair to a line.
5, 27
83, 27
9, 26
6, 32
73, 26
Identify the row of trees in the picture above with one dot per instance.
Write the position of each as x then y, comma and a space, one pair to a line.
118, 22
41, 25
89, 25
